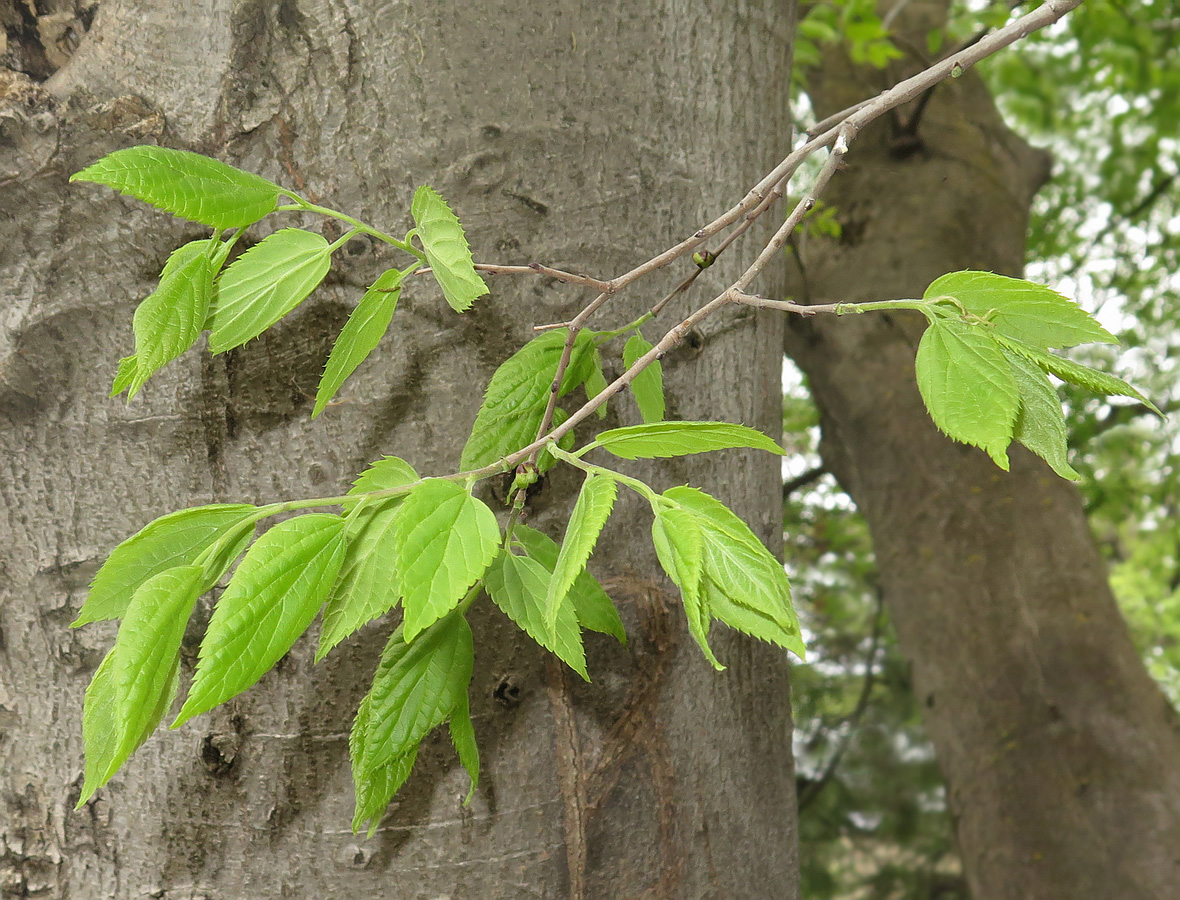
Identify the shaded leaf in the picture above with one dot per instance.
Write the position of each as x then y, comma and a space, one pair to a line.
416, 687
188, 185
170, 320
360, 336
446, 249
1040, 425
367, 586
518, 586
264, 284
596, 382
444, 540
463, 738
100, 724
176, 539
272, 598
648, 386
374, 789
594, 608
518, 393
137, 681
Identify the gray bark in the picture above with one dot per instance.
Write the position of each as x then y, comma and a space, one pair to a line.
1062, 757
587, 135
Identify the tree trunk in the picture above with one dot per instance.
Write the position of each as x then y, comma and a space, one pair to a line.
585, 135
1062, 757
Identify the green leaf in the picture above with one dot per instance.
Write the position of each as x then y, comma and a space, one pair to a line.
738, 566
124, 375
658, 440
446, 249
1075, 373
385, 474
264, 284
518, 585
138, 680
751, 620
444, 540
374, 789
1020, 309
170, 320
596, 382
591, 510
368, 585
967, 386
360, 336
272, 598
648, 386
1040, 426
592, 604
416, 687
463, 737
101, 734
148, 646
680, 547
188, 185
176, 539
518, 393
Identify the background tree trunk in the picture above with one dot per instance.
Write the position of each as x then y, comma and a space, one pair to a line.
582, 134
1061, 755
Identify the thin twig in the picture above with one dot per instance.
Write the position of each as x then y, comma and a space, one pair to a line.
838, 138
808, 478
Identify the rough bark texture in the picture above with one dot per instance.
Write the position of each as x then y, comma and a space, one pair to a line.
588, 135
1062, 757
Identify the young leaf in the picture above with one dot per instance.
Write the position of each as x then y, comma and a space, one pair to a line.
147, 648
519, 392
738, 566
169, 321
138, 679
596, 382
648, 386
176, 539
1021, 310
463, 738
101, 733
658, 440
124, 375
374, 789
386, 473
751, 620
446, 249
188, 185
594, 608
591, 510
1075, 373
967, 386
368, 586
416, 687
444, 539
264, 284
1040, 426
360, 336
680, 548
272, 598
518, 584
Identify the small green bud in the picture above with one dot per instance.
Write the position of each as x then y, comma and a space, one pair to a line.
704, 260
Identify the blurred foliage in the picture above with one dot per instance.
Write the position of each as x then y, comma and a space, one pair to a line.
1101, 90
